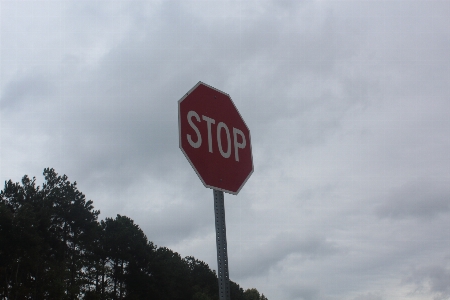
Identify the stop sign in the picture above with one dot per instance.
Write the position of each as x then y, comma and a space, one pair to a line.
214, 138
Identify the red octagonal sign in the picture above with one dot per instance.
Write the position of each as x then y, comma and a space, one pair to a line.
215, 139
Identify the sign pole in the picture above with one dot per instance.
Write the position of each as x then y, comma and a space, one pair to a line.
221, 243
216, 142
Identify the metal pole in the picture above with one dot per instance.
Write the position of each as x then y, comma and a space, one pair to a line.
221, 243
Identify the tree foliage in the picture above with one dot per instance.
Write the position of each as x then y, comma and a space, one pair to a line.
52, 246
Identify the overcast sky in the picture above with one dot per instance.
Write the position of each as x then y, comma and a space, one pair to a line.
348, 104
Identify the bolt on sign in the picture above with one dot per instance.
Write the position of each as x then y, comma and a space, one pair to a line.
215, 139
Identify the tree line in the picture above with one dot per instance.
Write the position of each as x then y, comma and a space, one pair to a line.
52, 246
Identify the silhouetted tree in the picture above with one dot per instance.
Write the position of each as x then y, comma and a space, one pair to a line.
48, 232
128, 256
253, 294
53, 247
203, 280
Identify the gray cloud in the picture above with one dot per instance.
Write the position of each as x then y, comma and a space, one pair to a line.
420, 199
300, 292
368, 296
432, 280
272, 252
22, 90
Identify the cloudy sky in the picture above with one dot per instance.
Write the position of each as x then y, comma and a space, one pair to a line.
348, 104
